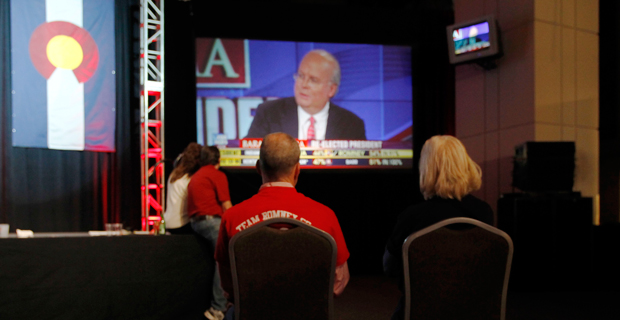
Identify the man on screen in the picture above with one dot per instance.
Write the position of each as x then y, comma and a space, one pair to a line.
310, 115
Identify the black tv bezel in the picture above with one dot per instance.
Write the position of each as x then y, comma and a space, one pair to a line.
493, 51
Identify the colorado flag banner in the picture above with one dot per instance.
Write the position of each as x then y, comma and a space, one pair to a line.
63, 77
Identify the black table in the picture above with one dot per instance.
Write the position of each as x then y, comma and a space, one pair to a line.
121, 277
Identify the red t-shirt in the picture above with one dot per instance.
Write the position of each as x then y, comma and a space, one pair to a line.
278, 202
206, 191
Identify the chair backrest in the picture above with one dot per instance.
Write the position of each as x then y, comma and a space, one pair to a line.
283, 273
457, 269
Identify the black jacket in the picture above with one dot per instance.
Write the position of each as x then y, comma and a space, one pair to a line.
281, 116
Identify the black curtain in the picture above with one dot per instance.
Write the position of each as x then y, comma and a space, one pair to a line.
51, 190
180, 78
609, 113
433, 76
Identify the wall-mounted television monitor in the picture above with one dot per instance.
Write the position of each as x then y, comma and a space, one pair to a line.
245, 86
474, 40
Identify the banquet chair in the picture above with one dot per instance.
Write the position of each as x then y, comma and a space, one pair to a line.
283, 269
457, 269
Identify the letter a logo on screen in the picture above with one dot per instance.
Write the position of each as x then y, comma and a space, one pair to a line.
222, 63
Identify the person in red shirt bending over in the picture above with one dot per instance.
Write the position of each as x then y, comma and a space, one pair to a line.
207, 200
278, 165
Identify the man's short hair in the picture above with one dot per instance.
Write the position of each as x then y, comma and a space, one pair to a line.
446, 170
279, 153
329, 57
209, 155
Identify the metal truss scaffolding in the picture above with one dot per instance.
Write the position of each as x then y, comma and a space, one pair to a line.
152, 112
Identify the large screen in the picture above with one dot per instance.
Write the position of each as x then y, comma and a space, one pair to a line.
248, 88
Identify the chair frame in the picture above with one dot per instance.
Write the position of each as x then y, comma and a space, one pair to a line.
442, 224
297, 223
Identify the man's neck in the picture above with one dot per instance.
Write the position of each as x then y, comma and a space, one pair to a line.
277, 184
288, 179
312, 111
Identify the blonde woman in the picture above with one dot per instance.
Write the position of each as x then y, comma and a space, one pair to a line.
187, 163
447, 177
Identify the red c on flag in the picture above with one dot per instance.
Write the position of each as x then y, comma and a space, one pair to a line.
47, 31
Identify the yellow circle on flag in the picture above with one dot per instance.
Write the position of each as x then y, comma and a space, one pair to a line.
64, 52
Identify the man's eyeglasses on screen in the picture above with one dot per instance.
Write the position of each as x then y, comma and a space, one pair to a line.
312, 81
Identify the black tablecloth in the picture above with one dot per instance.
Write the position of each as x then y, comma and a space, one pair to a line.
123, 277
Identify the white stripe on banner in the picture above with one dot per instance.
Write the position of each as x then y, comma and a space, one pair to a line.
65, 10
65, 110
65, 96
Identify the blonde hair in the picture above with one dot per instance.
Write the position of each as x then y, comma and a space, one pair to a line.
446, 170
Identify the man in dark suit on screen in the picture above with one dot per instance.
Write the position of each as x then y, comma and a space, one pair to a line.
310, 115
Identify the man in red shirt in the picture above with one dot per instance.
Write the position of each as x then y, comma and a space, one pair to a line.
277, 197
207, 199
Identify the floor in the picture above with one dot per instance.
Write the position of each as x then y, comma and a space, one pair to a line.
374, 298
367, 297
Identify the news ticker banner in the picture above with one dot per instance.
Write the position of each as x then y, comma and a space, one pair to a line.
323, 154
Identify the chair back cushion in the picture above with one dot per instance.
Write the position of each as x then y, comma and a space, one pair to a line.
457, 269
283, 273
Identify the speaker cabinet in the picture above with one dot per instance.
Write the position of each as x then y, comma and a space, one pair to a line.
544, 166
551, 236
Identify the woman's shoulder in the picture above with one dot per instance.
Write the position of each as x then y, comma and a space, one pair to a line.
441, 208
419, 211
479, 207
470, 200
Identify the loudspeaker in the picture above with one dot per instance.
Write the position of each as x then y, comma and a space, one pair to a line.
544, 166
552, 240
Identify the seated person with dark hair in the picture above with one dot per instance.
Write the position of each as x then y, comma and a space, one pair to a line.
447, 176
176, 216
207, 200
310, 115
279, 168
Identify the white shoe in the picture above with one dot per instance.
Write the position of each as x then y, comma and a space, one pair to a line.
213, 314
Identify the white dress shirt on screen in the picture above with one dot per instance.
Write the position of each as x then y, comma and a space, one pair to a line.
320, 123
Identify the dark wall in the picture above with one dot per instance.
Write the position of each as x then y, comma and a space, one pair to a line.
366, 202
179, 78
609, 117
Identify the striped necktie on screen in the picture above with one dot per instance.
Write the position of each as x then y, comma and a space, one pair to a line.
311, 135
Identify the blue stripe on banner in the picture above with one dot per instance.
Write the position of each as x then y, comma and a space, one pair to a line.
28, 86
100, 90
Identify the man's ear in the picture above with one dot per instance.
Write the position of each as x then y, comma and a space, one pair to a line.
332, 90
258, 168
297, 171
